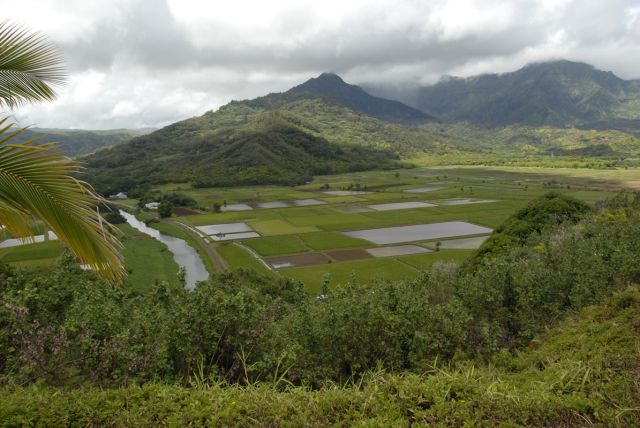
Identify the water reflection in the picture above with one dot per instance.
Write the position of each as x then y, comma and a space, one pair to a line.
184, 255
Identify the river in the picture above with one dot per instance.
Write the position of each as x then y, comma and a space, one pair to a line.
184, 255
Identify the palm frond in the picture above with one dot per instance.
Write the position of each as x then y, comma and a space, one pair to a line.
37, 180
30, 66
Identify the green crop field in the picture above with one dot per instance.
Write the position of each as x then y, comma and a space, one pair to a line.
332, 241
304, 229
279, 227
342, 273
276, 245
146, 260
238, 257
424, 261
31, 255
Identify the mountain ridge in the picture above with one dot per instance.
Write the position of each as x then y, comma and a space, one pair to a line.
558, 93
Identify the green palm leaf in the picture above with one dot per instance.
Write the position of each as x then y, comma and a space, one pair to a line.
29, 66
37, 180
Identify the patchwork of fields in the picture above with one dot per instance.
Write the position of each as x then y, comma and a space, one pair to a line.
358, 226
366, 225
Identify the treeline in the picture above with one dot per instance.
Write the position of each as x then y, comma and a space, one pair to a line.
65, 327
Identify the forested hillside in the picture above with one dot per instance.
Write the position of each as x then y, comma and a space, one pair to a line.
79, 142
264, 148
559, 93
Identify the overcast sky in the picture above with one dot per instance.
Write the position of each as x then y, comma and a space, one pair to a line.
138, 63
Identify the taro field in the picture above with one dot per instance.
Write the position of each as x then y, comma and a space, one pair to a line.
364, 226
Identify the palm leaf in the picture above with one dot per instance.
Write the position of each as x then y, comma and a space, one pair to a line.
29, 66
37, 180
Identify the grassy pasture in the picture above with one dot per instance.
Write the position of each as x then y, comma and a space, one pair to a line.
147, 260
279, 227
342, 273
32, 255
332, 241
277, 245
425, 260
238, 257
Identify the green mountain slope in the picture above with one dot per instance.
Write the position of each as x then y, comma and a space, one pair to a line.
331, 86
559, 93
284, 138
321, 126
76, 142
235, 146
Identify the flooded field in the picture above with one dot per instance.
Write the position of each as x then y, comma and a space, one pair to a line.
273, 204
215, 229
345, 192
400, 206
233, 236
235, 207
397, 250
307, 202
455, 202
419, 232
422, 189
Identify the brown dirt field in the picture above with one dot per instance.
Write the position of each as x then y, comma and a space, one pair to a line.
348, 255
184, 211
301, 259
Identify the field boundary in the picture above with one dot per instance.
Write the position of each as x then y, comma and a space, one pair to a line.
255, 255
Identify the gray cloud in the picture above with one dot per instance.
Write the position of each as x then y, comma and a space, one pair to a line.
151, 62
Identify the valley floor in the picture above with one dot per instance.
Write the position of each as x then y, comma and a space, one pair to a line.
304, 232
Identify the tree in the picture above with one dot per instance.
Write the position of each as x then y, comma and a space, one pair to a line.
165, 209
36, 179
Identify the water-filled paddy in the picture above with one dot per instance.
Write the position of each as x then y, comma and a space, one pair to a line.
215, 229
397, 250
418, 232
422, 189
400, 206
307, 202
274, 204
235, 207
234, 236
455, 202
14, 242
345, 192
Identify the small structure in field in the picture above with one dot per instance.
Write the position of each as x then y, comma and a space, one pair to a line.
119, 195
152, 205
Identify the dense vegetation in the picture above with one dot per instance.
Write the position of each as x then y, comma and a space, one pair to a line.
560, 93
67, 328
266, 150
553, 208
506, 142
582, 373
80, 142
